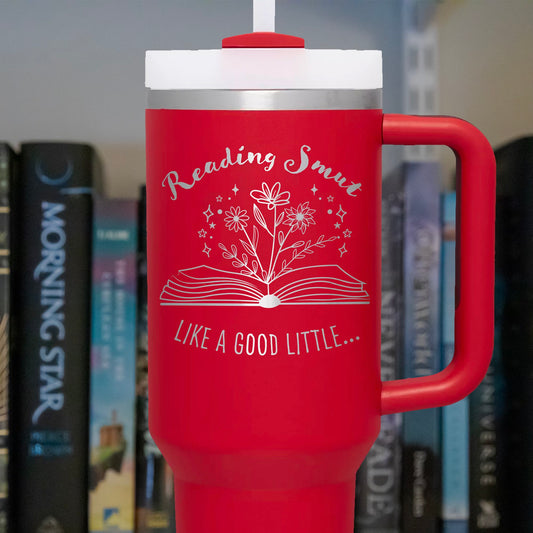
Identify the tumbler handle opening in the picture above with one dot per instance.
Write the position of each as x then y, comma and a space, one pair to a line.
474, 293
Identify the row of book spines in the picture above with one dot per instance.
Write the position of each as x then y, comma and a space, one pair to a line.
55, 209
411, 203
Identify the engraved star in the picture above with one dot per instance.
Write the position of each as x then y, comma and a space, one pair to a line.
235, 189
219, 198
206, 250
212, 225
202, 233
343, 249
208, 213
314, 189
337, 225
347, 233
331, 198
341, 212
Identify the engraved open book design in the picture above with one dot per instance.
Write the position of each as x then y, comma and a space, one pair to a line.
267, 273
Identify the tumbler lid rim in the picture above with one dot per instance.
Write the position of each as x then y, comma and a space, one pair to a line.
263, 69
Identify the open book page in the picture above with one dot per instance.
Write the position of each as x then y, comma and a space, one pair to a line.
205, 285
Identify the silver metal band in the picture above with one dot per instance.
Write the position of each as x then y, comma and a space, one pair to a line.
258, 100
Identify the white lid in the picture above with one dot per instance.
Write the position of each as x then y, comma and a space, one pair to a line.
263, 68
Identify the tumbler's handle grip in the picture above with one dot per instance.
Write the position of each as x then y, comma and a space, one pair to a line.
474, 304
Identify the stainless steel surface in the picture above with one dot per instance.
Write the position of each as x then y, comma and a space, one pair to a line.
236, 100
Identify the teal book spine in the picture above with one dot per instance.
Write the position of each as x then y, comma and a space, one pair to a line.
113, 353
455, 419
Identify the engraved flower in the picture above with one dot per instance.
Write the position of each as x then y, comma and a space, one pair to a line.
236, 219
272, 197
300, 218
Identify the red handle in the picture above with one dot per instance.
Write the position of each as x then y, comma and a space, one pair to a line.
474, 306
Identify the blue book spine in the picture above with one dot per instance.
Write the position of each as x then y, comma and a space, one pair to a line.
113, 351
421, 429
455, 500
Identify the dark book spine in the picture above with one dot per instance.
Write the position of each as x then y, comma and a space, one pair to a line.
154, 499
514, 339
52, 309
421, 429
486, 405
7, 171
377, 505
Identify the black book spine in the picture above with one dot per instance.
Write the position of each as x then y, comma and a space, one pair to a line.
154, 496
51, 362
7, 172
514, 316
377, 505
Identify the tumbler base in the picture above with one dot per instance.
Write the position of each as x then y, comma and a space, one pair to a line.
206, 509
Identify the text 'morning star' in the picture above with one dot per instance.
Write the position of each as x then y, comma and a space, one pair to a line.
219, 198
337, 225
212, 225
202, 233
331, 198
314, 189
340, 213
235, 189
208, 213
206, 250
347, 233
343, 249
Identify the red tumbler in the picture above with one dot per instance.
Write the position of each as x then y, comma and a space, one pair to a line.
264, 197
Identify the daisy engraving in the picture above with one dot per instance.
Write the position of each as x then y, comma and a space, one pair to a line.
236, 219
300, 218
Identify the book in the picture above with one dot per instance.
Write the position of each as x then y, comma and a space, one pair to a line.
52, 336
154, 500
377, 504
7, 176
204, 285
514, 312
487, 408
113, 353
421, 429
455, 503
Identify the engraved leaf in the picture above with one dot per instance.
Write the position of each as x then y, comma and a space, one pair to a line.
255, 266
255, 236
245, 259
259, 217
237, 264
234, 250
297, 244
280, 218
247, 247
280, 237
226, 255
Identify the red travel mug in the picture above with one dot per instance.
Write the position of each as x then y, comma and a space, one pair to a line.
264, 198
